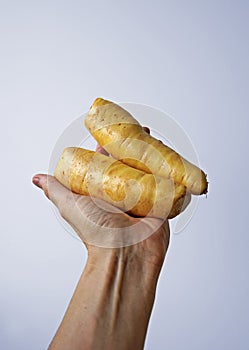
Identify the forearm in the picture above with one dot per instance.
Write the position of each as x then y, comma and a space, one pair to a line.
111, 306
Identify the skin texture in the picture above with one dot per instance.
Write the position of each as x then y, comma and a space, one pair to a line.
124, 138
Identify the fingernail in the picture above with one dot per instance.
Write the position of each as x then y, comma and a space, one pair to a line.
36, 181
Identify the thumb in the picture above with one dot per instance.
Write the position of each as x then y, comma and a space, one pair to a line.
56, 192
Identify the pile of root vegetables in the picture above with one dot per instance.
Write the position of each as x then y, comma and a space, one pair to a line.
141, 176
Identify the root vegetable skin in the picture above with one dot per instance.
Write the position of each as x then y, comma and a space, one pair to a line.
124, 138
88, 173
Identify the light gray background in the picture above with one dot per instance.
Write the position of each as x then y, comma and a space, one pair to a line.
189, 58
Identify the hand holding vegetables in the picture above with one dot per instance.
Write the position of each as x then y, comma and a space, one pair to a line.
126, 275
115, 294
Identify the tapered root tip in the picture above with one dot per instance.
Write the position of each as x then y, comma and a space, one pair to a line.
205, 182
100, 102
180, 205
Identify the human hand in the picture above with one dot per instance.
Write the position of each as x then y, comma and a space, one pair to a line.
99, 225
89, 216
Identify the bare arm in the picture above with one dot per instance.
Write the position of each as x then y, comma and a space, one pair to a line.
112, 303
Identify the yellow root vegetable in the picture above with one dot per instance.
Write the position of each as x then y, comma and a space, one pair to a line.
136, 192
123, 137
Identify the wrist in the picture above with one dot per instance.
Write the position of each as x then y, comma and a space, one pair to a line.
128, 262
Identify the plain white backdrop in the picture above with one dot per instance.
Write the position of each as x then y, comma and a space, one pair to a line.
188, 58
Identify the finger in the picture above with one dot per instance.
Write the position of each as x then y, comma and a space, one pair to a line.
65, 201
146, 129
101, 150
57, 193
